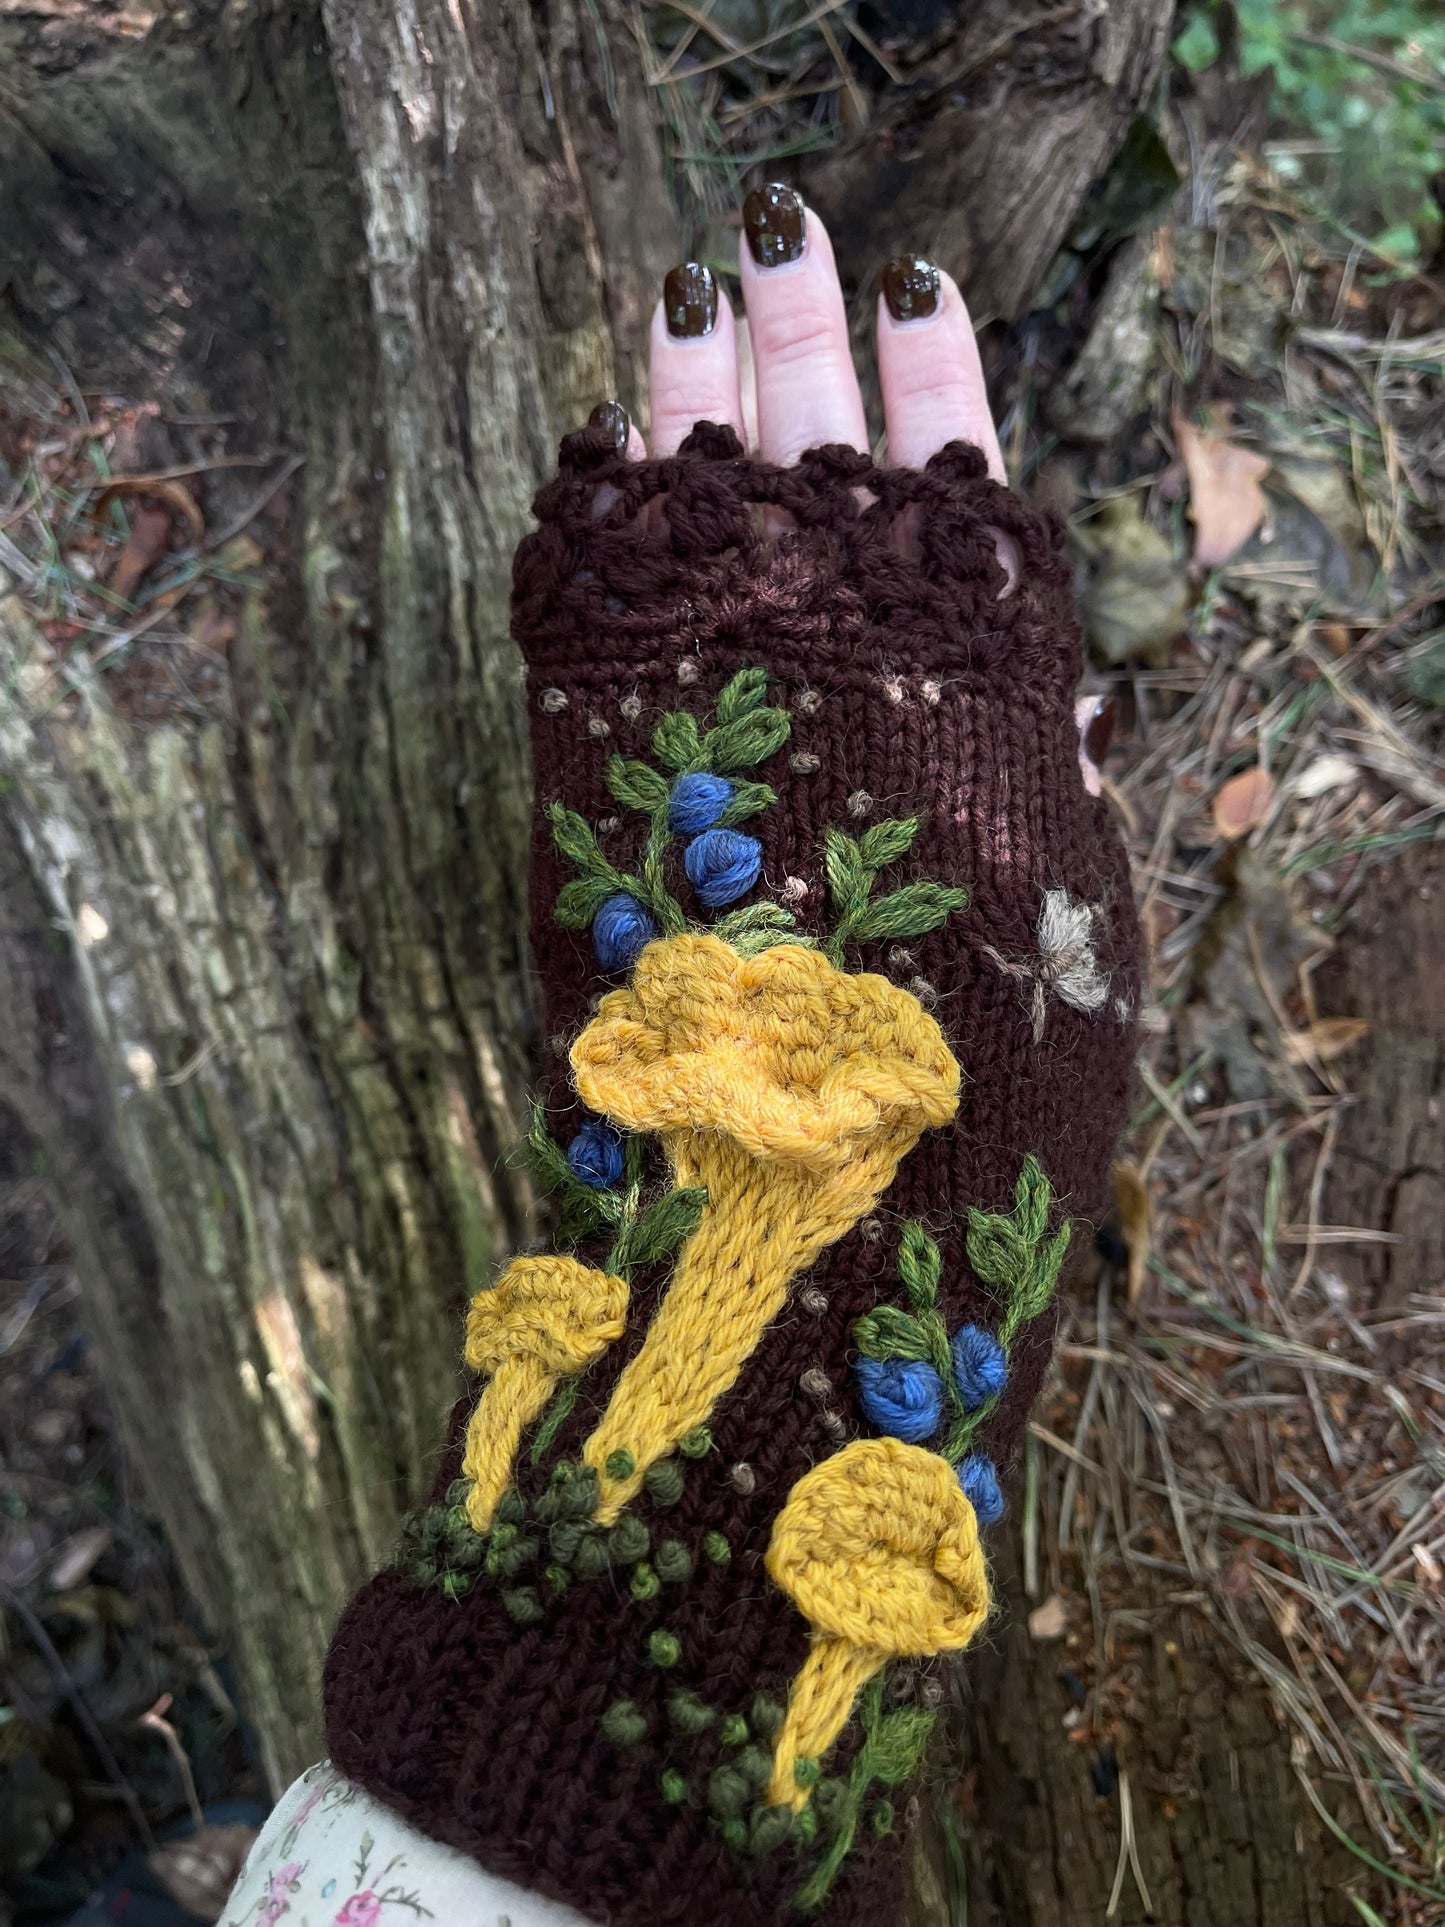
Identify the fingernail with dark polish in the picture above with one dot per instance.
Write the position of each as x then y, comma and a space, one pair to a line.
775, 224
910, 287
609, 418
1100, 732
689, 300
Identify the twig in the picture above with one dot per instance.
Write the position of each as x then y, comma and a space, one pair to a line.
87, 1721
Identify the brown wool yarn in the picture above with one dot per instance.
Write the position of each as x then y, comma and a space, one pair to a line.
915, 687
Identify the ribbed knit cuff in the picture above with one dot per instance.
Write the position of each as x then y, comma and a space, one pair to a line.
810, 813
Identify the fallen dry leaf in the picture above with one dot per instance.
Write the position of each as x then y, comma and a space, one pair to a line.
1326, 773
1242, 804
1049, 1621
1226, 501
1131, 1201
1327, 1037
150, 534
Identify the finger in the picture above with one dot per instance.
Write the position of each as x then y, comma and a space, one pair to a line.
807, 388
1094, 718
693, 359
611, 419
928, 368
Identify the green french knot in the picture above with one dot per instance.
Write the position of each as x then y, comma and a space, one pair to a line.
673, 1786
591, 1561
565, 1538
621, 1464
1014, 1254
695, 1444
624, 1724
881, 1817
664, 1482
806, 1825
769, 1828
807, 1772
629, 1540
716, 1548
766, 1716
689, 1714
511, 1508
557, 1577
673, 1562
644, 1583
456, 1585
664, 1648
522, 1605
735, 1834
734, 1730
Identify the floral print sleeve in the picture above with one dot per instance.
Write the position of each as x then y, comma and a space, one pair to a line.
331, 1856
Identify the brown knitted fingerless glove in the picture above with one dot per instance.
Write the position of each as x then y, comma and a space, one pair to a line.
841, 969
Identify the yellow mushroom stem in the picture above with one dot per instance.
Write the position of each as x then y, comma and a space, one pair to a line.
878, 1548
517, 1393
821, 1698
546, 1318
764, 1223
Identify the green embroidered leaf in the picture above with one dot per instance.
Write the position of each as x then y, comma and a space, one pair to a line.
741, 694
888, 1332
579, 901
659, 1230
748, 799
545, 1157
1011, 1253
573, 836
897, 1744
769, 917
910, 912
847, 873
749, 740
919, 1266
676, 742
636, 786
886, 842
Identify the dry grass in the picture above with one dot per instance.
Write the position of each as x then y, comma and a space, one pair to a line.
1253, 1433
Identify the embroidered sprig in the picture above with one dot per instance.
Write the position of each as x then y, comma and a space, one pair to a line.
699, 792
695, 788
913, 1375
853, 865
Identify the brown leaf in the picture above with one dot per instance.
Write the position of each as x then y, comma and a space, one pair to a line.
1243, 803
150, 534
1049, 1621
1131, 1202
1327, 1037
199, 1872
1226, 501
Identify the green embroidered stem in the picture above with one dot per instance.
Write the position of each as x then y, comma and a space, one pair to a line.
893, 1745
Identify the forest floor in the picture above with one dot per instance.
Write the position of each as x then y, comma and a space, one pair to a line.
1237, 404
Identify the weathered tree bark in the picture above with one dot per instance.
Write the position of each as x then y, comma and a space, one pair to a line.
261, 954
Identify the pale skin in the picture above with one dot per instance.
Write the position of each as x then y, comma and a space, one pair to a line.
794, 385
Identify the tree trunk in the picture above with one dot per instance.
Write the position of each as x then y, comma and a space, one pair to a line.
261, 943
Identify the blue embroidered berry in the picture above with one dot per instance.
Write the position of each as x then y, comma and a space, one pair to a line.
621, 930
595, 1156
697, 801
902, 1396
979, 1478
980, 1366
722, 865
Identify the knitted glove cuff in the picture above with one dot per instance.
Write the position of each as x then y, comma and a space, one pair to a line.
840, 969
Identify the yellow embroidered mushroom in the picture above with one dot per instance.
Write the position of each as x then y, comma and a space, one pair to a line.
878, 1548
791, 1090
544, 1319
